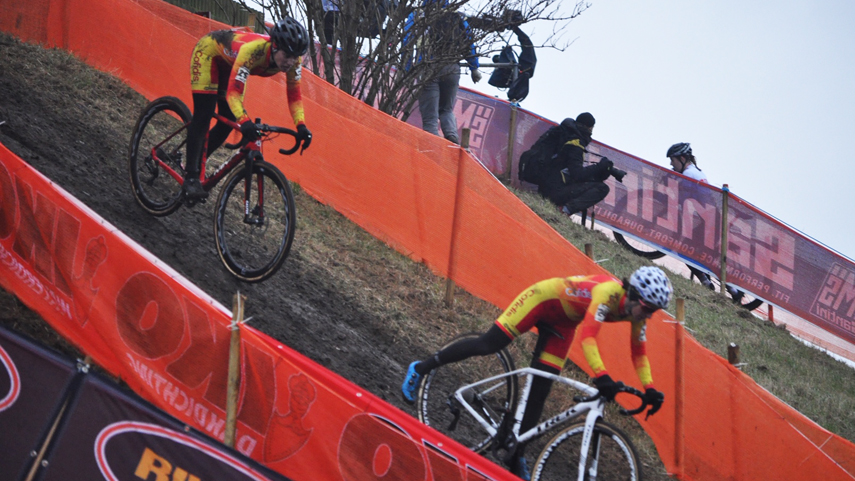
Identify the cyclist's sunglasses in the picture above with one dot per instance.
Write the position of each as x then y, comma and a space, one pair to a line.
647, 307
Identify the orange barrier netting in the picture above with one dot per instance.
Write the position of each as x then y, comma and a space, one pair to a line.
432, 201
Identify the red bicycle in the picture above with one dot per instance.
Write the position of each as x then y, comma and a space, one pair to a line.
255, 215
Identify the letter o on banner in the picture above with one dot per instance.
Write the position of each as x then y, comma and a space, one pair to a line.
149, 316
369, 452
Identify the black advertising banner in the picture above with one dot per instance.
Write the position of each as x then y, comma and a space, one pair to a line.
32, 380
111, 435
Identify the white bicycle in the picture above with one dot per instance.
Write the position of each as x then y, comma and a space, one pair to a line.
476, 403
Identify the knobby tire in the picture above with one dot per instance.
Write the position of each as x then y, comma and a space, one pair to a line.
617, 458
254, 252
154, 188
640, 250
437, 386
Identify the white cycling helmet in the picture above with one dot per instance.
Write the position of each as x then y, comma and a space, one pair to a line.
652, 286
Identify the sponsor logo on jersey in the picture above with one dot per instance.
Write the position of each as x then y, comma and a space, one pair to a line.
580, 292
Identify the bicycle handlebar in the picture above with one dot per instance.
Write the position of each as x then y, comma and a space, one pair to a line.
621, 389
264, 128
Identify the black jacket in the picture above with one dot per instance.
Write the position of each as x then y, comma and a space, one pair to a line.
572, 158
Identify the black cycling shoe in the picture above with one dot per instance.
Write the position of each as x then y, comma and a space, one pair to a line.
193, 190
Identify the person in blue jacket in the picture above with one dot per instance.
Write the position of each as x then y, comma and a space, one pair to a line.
445, 38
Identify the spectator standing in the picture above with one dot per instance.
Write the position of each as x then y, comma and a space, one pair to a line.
331, 17
447, 35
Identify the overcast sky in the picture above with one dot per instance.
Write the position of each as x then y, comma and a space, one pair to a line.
763, 90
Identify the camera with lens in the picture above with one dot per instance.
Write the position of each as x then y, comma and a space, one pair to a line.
618, 174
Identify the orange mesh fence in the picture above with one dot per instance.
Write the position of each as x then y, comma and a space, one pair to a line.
432, 201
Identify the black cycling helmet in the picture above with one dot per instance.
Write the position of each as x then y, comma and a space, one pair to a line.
676, 150
290, 36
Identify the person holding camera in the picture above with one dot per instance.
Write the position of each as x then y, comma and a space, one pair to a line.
567, 182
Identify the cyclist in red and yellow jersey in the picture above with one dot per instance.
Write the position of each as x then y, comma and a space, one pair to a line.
220, 67
557, 307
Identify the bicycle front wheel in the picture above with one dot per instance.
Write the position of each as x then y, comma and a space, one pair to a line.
156, 155
493, 401
254, 231
611, 455
638, 248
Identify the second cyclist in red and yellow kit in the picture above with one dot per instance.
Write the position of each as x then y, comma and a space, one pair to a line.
558, 307
220, 67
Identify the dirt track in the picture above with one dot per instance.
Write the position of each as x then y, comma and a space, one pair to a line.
73, 125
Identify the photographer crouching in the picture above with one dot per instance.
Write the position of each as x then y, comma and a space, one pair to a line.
566, 181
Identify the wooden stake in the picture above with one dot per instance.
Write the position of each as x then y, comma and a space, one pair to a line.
233, 387
724, 228
449, 283
678, 387
512, 139
733, 353
589, 250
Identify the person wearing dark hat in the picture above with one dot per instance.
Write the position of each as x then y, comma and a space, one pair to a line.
567, 182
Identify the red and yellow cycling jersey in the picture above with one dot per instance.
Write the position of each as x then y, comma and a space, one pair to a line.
223, 60
571, 303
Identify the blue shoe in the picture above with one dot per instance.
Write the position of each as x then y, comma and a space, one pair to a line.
521, 469
411, 383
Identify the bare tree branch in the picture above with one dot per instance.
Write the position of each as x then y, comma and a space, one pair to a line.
366, 55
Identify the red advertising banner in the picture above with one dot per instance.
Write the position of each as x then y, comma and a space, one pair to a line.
764, 256
683, 217
169, 341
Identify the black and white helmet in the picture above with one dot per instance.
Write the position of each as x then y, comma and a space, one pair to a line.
652, 286
290, 36
676, 150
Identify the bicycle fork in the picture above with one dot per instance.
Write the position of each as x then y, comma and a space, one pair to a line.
590, 439
253, 216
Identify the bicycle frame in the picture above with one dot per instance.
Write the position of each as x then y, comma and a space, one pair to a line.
208, 182
593, 409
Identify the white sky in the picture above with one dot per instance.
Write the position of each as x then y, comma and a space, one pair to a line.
763, 90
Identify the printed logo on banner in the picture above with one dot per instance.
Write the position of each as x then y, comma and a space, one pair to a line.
287, 432
14, 389
164, 464
836, 299
476, 117
56, 280
367, 451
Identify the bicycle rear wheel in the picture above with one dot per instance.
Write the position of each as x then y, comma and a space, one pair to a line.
611, 455
638, 248
493, 400
741, 298
161, 133
254, 246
